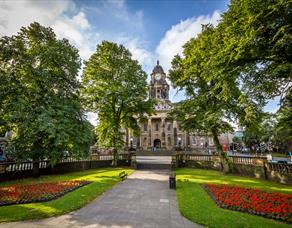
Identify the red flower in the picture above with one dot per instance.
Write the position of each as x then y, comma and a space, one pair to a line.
37, 192
276, 205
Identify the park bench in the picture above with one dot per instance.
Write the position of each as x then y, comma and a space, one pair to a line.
123, 175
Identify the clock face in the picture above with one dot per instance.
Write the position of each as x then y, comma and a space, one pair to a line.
158, 76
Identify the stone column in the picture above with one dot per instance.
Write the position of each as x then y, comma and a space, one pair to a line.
149, 132
174, 133
163, 141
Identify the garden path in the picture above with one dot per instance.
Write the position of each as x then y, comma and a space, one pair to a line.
142, 200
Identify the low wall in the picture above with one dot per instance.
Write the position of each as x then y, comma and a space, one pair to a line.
65, 167
250, 170
13, 170
256, 167
215, 165
280, 172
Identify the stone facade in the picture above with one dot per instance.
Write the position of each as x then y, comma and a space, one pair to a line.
160, 131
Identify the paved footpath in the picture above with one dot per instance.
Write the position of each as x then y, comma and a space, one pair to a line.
143, 200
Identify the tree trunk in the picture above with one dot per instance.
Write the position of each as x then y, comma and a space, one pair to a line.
115, 158
35, 168
223, 156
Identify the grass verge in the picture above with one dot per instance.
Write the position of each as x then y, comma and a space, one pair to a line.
197, 206
102, 180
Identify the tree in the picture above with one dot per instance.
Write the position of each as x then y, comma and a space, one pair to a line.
115, 87
41, 96
257, 36
255, 40
213, 100
283, 128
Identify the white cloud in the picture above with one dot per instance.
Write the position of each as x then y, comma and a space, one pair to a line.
15, 14
138, 50
77, 30
80, 19
171, 44
119, 9
174, 39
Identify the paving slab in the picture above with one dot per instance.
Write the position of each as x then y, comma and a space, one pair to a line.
142, 200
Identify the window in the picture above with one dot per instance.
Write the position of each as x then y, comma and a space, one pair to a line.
168, 141
145, 126
145, 142
158, 94
211, 142
157, 126
194, 140
168, 126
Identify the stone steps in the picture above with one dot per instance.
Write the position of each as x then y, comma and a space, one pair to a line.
157, 153
149, 166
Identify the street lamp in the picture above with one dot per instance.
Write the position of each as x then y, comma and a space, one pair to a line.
131, 142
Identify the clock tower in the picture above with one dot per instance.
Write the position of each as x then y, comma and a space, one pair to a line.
159, 131
159, 88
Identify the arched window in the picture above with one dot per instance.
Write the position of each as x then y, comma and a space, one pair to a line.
145, 126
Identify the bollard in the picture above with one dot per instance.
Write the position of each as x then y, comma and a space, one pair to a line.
172, 181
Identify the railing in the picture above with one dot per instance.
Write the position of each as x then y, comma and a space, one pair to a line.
201, 157
7, 167
22, 166
248, 160
281, 168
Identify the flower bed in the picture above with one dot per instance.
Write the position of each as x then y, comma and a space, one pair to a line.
42, 192
253, 201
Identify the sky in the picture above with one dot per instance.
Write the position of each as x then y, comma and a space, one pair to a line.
152, 30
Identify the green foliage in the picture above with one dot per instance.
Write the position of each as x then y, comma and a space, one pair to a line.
283, 129
40, 98
196, 205
229, 72
115, 87
257, 36
213, 92
103, 179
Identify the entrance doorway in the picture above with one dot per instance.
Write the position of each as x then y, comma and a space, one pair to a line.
157, 143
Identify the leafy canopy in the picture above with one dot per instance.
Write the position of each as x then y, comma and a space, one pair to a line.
115, 87
40, 99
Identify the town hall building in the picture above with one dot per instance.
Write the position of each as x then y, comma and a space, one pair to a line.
161, 132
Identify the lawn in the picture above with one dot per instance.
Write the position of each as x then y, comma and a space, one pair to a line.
283, 155
102, 180
197, 206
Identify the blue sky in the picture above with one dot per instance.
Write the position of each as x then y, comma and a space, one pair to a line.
150, 29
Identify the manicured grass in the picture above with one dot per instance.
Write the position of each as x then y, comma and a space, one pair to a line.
102, 179
197, 206
283, 155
